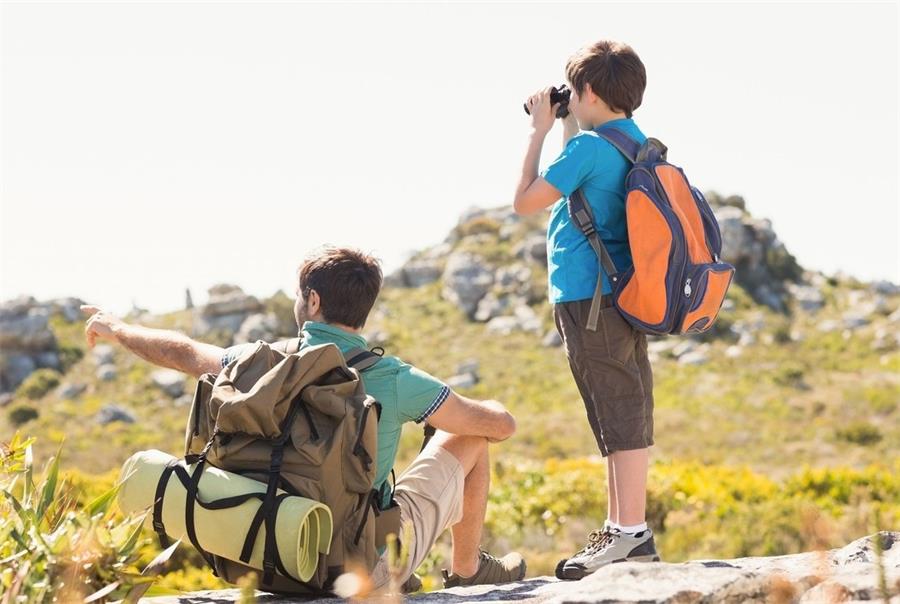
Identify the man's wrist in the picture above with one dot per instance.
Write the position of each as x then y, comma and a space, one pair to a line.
119, 330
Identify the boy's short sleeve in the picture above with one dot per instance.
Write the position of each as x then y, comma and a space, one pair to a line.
574, 164
418, 394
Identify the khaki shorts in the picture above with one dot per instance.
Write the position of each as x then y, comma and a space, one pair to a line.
612, 372
430, 495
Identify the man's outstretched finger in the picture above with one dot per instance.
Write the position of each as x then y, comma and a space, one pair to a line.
89, 310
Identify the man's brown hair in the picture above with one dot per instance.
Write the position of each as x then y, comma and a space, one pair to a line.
613, 71
347, 281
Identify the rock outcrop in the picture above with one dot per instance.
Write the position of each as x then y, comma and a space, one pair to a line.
226, 310
26, 340
765, 268
849, 574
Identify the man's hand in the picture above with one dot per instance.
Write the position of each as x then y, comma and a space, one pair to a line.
543, 114
100, 325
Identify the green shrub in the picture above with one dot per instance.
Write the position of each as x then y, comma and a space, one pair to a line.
860, 433
282, 307
22, 414
783, 265
479, 225
39, 383
62, 552
69, 356
789, 374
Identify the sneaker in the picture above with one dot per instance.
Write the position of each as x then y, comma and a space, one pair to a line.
605, 547
491, 570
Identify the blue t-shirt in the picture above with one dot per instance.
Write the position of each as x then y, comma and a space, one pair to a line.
596, 167
406, 393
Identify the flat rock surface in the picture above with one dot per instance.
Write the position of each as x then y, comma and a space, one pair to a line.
843, 575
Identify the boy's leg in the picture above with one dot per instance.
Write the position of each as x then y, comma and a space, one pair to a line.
612, 497
614, 377
628, 484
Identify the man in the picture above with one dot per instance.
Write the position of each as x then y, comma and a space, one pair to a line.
446, 486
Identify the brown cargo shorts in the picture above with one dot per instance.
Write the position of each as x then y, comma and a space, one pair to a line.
612, 372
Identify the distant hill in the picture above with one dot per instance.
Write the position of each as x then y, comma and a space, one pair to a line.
801, 370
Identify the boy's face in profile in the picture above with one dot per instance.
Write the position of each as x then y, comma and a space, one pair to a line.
578, 105
587, 107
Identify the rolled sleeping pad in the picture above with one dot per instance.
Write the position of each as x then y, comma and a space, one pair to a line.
303, 527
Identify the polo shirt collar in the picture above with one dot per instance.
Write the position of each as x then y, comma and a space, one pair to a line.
313, 332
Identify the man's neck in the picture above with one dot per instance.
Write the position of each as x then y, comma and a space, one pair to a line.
341, 326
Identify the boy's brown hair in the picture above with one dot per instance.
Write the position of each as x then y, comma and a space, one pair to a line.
613, 71
347, 281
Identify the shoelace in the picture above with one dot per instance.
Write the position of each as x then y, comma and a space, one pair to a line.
597, 540
486, 556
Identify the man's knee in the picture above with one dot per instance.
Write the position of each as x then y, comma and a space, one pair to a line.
468, 450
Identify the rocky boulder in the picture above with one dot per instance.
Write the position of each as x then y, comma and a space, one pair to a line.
114, 413
466, 281
169, 381
763, 264
420, 272
226, 310
26, 340
849, 574
256, 327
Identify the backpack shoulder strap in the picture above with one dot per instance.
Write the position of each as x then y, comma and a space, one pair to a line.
291, 346
583, 217
361, 359
626, 145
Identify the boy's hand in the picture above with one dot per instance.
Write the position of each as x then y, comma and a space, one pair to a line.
100, 325
543, 114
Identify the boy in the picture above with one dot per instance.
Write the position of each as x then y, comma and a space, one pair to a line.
610, 365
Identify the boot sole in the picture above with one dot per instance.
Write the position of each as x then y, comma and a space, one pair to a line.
575, 574
560, 569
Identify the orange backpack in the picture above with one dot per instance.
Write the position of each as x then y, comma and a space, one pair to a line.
677, 283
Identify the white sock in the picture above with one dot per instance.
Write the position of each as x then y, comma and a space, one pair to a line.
631, 530
609, 525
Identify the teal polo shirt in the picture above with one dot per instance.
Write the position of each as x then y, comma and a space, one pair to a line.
406, 394
599, 169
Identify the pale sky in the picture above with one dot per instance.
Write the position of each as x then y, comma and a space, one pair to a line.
147, 148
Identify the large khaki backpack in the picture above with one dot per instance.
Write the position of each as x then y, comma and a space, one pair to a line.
301, 423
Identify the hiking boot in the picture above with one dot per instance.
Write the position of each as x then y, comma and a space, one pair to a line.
605, 547
491, 570
412, 585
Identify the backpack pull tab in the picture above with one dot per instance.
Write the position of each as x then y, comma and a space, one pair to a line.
687, 288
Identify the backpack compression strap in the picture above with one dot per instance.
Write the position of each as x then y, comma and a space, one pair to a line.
583, 217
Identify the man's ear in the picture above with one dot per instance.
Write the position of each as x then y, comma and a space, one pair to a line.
313, 303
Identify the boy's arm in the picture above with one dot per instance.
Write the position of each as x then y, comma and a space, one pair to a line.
533, 193
159, 346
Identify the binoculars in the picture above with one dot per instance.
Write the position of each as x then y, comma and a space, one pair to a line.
559, 95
